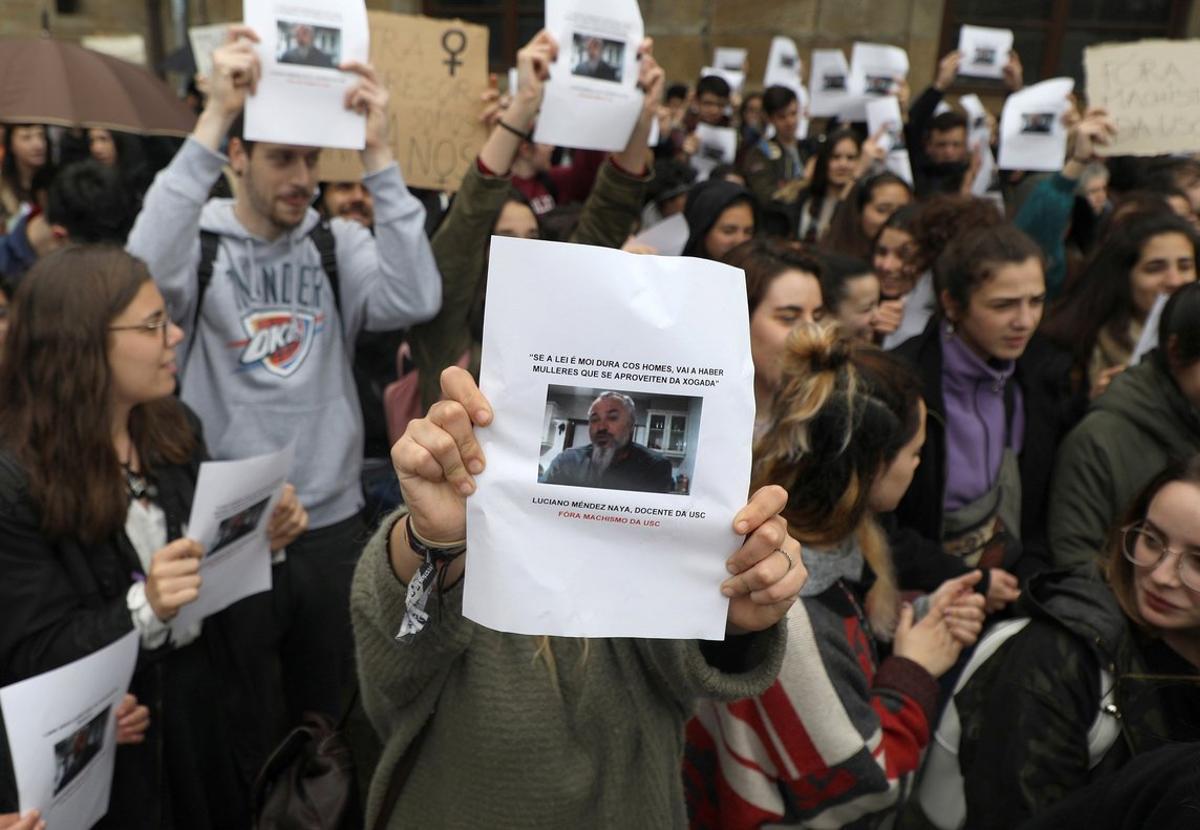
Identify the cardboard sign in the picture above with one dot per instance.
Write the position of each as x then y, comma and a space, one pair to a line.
436, 71
1151, 91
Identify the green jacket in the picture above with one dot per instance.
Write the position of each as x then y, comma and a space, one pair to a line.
506, 747
767, 167
1130, 433
460, 248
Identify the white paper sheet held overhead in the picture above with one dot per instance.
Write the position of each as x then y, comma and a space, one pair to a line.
62, 733
876, 69
301, 95
784, 67
592, 101
718, 145
984, 51
979, 140
668, 237
620, 449
1032, 134
728, 57
829, 84
230, 512
885, 121
204, 40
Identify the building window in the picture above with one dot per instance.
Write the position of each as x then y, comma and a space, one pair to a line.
1050, 35
67, 6
511, 24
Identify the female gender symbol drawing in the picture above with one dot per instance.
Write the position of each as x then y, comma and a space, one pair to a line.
454, 51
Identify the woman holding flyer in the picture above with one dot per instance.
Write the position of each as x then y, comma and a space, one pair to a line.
97, 472
848, 718
489, 729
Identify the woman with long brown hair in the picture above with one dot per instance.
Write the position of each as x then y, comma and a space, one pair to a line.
831, 741
98, 463
1101, 666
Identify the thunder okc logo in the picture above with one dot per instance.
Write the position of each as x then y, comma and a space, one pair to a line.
279, 340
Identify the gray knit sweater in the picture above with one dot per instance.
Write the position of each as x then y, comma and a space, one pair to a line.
505, 749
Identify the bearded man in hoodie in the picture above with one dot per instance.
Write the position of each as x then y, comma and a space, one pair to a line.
270, 331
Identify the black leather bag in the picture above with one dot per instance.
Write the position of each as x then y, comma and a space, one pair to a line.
309, 781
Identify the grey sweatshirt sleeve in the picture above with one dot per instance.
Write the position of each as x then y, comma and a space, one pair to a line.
166, 235
391, 281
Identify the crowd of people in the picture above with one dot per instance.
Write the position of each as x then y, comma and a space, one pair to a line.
968, 593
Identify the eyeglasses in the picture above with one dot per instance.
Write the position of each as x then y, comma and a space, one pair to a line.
1145, 548
164, 324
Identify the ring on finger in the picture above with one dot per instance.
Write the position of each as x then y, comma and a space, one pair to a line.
788, 557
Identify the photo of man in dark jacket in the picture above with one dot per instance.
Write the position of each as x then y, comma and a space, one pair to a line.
611, 461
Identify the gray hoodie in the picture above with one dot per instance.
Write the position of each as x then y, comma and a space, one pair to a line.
270, 359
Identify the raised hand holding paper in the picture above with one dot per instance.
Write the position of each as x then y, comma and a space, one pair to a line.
984, 51
301, 96
62, 734
205, 39
1032, 134
592, 100
230, 512
620, 449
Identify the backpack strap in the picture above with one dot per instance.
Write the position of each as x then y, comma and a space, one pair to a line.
322, 237
210, 244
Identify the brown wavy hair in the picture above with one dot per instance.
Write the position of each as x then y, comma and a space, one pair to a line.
55, 388
842, 412
1117, 569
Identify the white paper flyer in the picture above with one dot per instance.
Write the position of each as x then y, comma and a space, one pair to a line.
62, 734
984, 51
668, 237
204, 40
829, 85
1032, 134
230, 512
979, 140
620, 449
718, 145
885, 120
301, 94
729, 57
592, 101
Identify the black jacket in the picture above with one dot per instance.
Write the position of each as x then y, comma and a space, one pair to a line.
1051, 409
61, 601
635, 468
1026, 712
